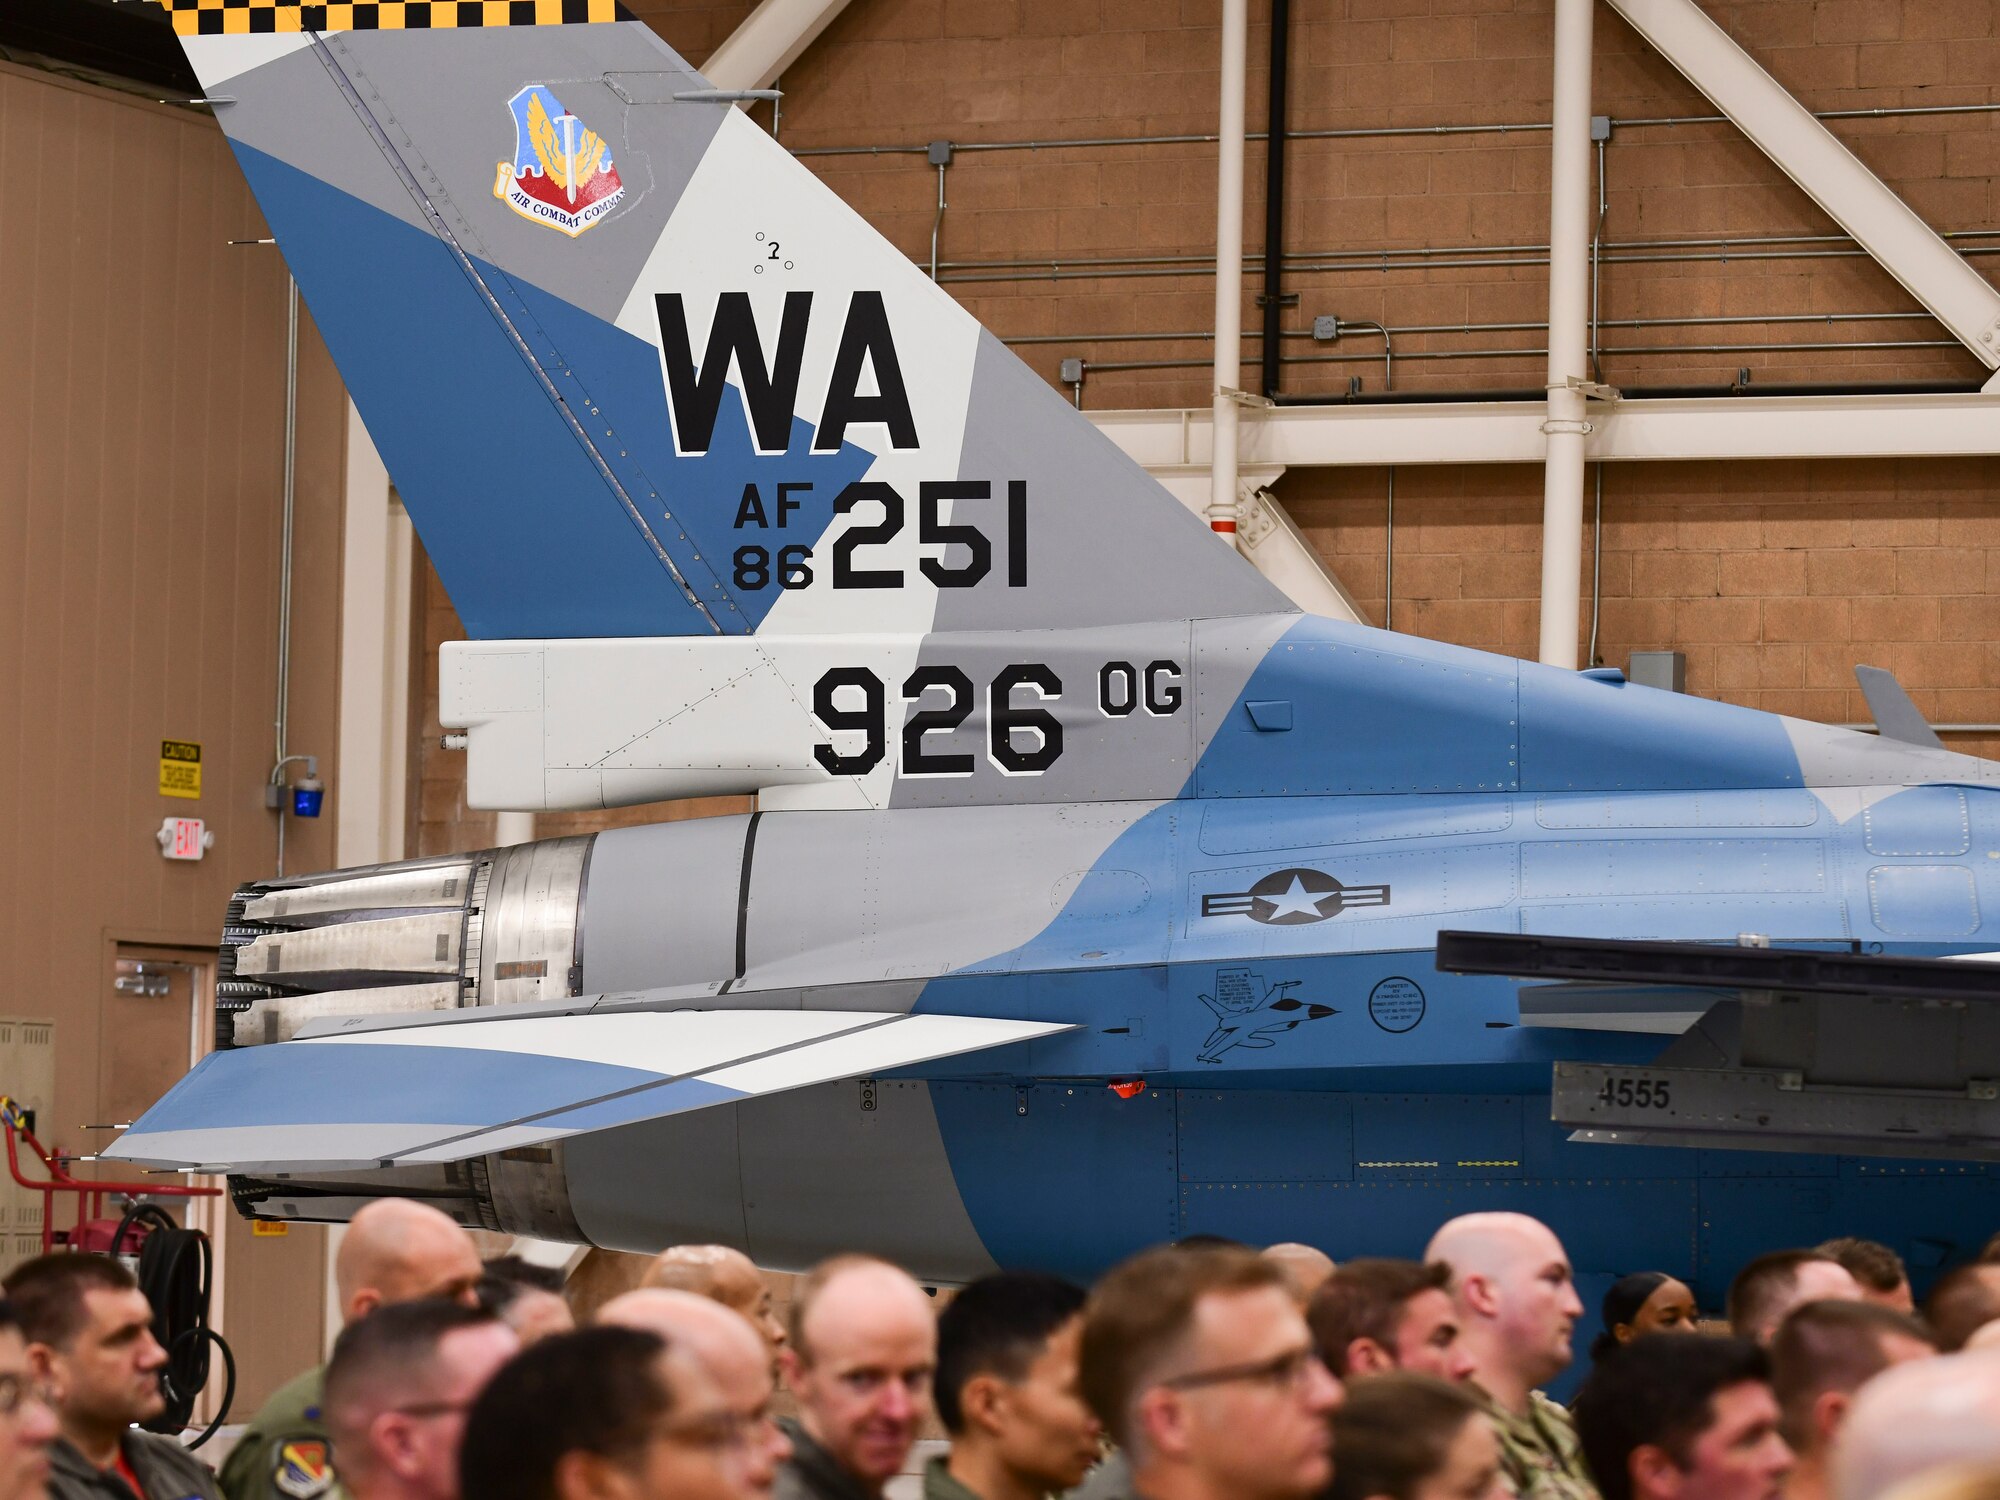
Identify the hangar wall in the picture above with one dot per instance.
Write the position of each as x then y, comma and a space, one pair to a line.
141, 464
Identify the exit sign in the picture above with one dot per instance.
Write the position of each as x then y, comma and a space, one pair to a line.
183, 838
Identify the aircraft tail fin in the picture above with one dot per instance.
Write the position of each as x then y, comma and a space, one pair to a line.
636, 372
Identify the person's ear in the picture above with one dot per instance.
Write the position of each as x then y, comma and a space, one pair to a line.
1480, 1295
1164, 1420
1655, 1476
582, 1475
791, 1365
1366, 1357
982, 1403
44, 1363
362, 1303
1829, 1410
393, 1439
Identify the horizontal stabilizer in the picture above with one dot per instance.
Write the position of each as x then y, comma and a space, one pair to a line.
1896, 716
438, 1093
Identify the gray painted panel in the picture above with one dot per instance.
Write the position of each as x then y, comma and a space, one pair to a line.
819, 1170
1105, 754
1105, 542
1831, 757
672, 1181
659, 905
853, 897
454, 139
1226, 654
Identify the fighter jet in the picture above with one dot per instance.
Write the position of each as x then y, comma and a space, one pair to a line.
1093, 893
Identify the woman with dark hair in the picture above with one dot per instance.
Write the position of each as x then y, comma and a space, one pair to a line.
1644, 1302
1405, 1436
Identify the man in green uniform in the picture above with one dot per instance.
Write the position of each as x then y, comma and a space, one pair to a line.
859, 1356
396, 1250
90, 1342
1517, 1307
1006, 1390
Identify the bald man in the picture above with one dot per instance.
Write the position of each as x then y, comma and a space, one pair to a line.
1517, 1307
395, 1250
731, 1354
860, 1356
1919, 1416
1306, 1268
721, 1275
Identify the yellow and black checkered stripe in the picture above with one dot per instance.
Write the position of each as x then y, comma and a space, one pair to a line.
248, 17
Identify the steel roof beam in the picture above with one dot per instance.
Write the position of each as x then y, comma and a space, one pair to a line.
1509, 432
1831, 175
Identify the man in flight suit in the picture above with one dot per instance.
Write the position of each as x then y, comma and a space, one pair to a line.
396, 1250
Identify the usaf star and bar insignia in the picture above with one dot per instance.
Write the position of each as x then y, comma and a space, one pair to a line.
1293, 898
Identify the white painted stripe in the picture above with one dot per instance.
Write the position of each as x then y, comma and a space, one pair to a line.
281, 1148
671, 1043
913, 1039
217, 59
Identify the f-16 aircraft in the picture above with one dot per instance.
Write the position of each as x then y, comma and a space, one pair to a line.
1093, 894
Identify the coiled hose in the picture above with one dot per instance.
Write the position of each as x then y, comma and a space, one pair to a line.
176, 1273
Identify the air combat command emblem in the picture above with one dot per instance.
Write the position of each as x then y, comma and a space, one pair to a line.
561, 174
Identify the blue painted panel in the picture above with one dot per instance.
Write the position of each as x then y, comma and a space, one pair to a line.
1724, 809
527, 535
1726, 1165
1081, 1180
1932, 1221
1924, 820
1367, 706
1265, 1135
1274, 1014
1125, 1021
1251, 825
1391, 900
1428, 1136
1715, 919
1608, 1227
1547, 1151
1936, 901
1582, 734
1679, 867
328, 1083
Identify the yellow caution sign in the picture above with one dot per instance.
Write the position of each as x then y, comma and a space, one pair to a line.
269, 1229
180, 768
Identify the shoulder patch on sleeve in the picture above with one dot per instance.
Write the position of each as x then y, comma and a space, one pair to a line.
304, 1469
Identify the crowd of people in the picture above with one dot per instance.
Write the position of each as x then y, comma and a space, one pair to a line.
1201, 1370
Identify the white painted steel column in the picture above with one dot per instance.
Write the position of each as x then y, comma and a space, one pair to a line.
513, 828
1567, 422
374, 647
768, 41
1228, 270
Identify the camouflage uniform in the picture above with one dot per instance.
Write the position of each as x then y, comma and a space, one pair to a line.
812, 1473
941, 1484
1540, 1457
285, 1453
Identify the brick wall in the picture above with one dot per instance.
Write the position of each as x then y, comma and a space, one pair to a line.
1774, 578
902, 72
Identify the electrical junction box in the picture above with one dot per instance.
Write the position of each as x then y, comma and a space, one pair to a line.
1659, 669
